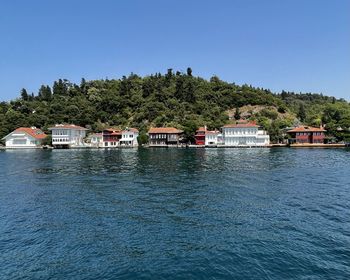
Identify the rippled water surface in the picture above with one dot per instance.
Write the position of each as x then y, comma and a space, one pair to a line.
175, 214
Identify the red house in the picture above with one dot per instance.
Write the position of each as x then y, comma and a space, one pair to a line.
111, 137
200, 136
307, 135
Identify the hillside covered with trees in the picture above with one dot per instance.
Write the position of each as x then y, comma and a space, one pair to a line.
171, 99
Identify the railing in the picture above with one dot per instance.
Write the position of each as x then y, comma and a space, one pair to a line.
62, 140
60, 136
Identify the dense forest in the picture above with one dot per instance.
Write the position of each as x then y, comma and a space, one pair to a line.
171, 99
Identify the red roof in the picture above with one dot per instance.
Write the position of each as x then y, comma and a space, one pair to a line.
67, 126
164, 130
212, 132
113, 131
201, 129
32, 131
306, 129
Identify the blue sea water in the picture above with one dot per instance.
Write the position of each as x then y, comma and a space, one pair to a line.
175, 214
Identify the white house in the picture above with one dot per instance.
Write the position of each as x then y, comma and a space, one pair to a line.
205, 137
244, 134
96, 140
213, 138
25, 137
129, 137
68, 135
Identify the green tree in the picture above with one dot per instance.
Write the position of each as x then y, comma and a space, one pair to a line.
45, 93
59, 88
301, 113
189, 71
142, 138
24, 94
237, 114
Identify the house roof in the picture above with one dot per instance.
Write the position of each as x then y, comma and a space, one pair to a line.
67, 126
95, 135
242, 124
306, 129
212, 132
201, 129
31, 131
113, 131
131, 129
206, 132
164, 130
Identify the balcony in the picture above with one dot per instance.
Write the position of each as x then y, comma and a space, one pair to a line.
60, 135
60, 140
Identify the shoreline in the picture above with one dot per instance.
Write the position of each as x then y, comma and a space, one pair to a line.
270, 146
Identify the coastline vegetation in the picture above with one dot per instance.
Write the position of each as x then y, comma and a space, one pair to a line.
171, 99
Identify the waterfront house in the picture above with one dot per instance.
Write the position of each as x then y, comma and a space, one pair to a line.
213, 138
200, 136
111, 137
95, 140
307, 135
25, 137
129, 137
164, 136
204, 137
244, 134
68, 136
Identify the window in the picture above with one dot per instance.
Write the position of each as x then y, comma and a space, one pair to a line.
19, 141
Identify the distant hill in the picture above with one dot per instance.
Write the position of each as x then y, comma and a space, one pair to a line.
171, 99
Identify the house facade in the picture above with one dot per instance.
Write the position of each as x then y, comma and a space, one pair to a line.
244, 134
68, 136
164, 136
200, 136
111, 137
129, 137
25, 137
204, 137
307, 135
213, 138
96, 140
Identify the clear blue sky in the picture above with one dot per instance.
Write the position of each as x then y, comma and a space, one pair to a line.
299, 45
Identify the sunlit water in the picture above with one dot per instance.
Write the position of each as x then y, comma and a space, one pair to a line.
175, 214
